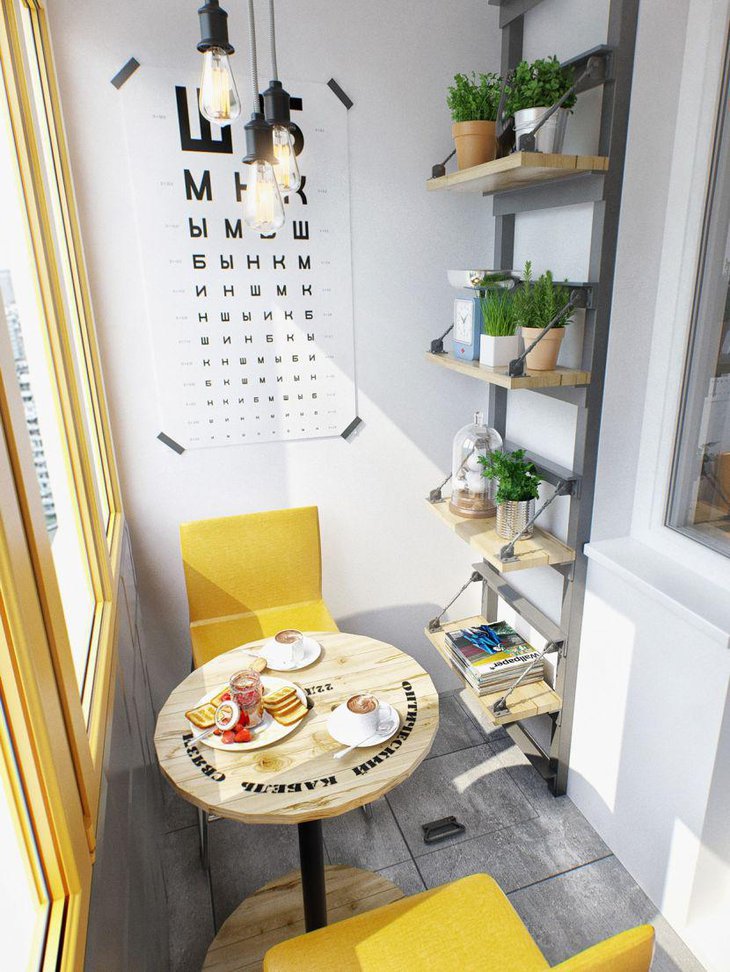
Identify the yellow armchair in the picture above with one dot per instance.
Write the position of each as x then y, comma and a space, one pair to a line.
249, 576
463, 926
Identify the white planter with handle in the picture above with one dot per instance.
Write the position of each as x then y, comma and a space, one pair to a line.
497, 352
550, 137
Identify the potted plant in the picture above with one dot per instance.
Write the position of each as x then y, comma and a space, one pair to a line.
537, 303
499, 342
517, 490
532, 89
473, 102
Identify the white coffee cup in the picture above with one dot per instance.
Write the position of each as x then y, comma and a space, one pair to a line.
287, 647
361, 715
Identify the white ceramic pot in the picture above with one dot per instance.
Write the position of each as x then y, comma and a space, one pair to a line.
497, 352
552, 134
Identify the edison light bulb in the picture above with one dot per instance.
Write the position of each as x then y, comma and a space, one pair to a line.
219, 101
287, 171
263, 208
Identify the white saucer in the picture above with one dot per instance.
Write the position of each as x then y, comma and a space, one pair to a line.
347, 735
312, 651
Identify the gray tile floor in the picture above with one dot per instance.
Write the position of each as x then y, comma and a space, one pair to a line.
569, 889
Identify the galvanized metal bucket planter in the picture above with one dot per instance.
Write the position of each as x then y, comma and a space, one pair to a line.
512, 518
551, 136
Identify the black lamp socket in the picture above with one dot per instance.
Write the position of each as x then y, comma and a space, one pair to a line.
259, 140
277, 108
213, 28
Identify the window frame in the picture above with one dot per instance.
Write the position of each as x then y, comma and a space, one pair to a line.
698, 355
102, 541
655, 424
37, 759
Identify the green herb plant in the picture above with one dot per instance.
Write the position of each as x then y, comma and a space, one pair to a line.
474, 98
539, 85
517, 478
537, 302
499, 313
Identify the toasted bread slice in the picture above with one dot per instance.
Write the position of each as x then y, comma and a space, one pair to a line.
254, 662
281, 697
203, 716
291, 716
284, 709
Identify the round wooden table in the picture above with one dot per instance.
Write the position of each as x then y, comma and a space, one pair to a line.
297, 780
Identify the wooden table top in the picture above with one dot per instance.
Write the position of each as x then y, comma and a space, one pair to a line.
297, 778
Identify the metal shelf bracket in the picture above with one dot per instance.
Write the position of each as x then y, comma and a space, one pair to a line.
435, 623
501, 704
565, 487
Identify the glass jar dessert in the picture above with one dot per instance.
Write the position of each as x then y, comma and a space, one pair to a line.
248, 694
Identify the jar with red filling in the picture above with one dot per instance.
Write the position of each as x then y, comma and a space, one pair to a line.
247, 691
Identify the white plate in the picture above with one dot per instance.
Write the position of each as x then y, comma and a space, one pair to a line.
347, 735
268, 731
312, 651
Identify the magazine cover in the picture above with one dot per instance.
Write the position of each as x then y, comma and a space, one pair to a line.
488, 644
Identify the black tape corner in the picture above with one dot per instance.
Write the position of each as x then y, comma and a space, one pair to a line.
125, 73
175, 446
356, 422
345, 99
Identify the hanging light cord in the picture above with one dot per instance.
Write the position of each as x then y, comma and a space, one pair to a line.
254, 65
272, 31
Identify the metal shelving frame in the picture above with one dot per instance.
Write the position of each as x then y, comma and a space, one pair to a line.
604, 192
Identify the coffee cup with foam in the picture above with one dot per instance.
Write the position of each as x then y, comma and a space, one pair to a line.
361, 715
286, 647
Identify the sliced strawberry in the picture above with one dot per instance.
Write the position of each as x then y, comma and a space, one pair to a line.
243, 736
229, 736
226, 697
216, 732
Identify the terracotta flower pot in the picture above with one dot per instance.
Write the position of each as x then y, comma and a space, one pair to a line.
545, 356
475, 141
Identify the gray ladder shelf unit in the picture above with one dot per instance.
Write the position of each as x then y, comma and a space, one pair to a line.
603, 189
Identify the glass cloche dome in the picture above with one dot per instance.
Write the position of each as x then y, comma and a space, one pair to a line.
471, 493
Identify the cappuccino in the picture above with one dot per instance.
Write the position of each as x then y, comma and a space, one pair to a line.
288, 637
362, 704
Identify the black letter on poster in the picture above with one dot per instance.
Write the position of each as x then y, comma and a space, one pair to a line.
205, 143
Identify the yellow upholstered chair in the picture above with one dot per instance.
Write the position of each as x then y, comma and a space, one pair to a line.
249, 576
466, 926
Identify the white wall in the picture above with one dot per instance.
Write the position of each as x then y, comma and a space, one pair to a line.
387, 560
651, 734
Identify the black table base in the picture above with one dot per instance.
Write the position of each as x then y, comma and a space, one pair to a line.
311, 860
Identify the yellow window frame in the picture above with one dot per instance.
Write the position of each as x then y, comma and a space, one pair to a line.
35, 757
86, 718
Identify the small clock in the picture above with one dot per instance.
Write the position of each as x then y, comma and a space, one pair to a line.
467, 328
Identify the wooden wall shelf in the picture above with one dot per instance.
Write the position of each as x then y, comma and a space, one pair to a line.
526, 701
542, 550
497, 376
517, 170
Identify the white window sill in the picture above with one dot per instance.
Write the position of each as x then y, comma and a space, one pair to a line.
682, 590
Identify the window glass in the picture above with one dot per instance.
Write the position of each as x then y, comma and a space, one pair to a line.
699, 504
67, 264
33, 367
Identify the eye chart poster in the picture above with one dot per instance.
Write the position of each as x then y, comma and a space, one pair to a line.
252, 336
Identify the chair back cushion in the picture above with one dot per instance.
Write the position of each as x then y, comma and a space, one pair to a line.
631, 951
237, 564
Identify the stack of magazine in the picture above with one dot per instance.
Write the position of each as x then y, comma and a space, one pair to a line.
492, 656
